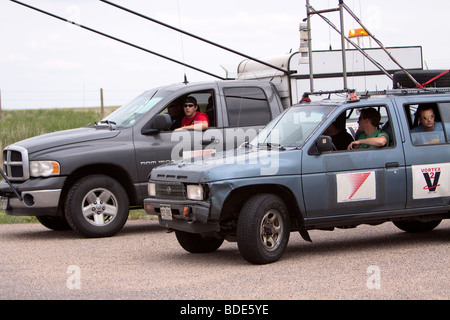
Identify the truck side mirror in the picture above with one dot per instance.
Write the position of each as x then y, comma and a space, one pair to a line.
322, 144
158, 123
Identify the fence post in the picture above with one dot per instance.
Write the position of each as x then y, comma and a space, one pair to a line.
102, 112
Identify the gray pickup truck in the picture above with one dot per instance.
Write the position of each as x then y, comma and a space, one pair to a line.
292, 177
88, 178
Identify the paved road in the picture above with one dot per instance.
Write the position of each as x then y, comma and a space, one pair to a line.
145, 262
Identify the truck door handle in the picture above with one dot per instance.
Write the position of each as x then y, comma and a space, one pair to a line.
212, 140
391, 165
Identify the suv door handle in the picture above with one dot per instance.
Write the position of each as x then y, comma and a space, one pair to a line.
391, 165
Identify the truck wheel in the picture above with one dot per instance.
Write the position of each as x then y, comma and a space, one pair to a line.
54, 223
263, 229
416, 226
97, 206
197, 243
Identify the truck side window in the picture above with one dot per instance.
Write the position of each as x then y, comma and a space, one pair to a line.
426, 123
206, 103
247, 107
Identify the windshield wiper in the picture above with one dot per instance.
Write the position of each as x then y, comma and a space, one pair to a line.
108, 122
271, 145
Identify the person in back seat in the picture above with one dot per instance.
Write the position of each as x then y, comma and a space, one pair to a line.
371, 137
427, 124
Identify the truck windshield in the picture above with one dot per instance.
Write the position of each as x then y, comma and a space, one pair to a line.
292, 128
129, 113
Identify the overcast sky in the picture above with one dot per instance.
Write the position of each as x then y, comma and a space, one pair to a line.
45, 62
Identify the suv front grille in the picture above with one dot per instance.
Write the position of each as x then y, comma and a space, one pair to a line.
170, 190
15, 163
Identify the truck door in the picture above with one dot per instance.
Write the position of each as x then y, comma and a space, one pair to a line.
159, 148
348, 183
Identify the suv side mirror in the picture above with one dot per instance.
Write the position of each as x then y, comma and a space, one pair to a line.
158, 123
322, 144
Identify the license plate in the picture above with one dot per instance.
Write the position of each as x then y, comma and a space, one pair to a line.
3, 203
166, 212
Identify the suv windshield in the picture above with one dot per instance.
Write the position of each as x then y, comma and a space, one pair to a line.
128, 114
292, 128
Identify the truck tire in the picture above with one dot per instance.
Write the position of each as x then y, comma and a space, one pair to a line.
97, 206
401, 80
197, 243
263, 229
416, 226
54, 223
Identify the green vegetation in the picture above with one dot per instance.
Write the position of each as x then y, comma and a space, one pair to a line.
17, 125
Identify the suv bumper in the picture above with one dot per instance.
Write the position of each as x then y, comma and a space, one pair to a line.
183, 215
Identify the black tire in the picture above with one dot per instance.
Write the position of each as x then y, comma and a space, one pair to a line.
416, 226
105, 205
263, 229
401, 80
54, 223
198, 243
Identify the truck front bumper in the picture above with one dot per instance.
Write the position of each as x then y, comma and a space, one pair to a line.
184, 215
40, 197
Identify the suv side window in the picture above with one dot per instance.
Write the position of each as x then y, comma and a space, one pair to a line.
247, 107
420, 135
345, 128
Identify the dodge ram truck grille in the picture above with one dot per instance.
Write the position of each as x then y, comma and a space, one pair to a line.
170, 190
15, 163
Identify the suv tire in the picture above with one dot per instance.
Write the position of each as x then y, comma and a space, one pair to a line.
263, 229
197, 243
416, 226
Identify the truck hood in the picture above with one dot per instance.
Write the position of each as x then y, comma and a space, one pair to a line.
66, 137
236, 164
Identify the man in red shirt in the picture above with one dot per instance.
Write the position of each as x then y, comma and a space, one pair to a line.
193, 119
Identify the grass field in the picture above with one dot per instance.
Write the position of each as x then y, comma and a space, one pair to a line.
18, 125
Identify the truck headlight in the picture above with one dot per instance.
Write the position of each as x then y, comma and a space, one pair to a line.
151, 189
194, 192
44, 168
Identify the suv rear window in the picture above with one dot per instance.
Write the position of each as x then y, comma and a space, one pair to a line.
429, 123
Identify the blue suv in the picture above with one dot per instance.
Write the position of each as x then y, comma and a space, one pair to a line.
293, 177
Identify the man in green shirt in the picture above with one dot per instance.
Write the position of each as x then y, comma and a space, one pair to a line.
371, 137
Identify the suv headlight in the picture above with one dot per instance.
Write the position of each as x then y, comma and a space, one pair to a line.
44, 168
194, 192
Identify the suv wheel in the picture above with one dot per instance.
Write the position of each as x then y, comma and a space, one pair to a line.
197, 243
416, 226
97, 206
263, 229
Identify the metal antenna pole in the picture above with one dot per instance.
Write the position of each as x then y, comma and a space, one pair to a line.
308, 23
344, 58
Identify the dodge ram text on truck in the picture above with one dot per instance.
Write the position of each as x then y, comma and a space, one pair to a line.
293, 177
88, 178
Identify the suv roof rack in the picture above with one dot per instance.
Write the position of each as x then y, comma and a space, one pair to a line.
353, 96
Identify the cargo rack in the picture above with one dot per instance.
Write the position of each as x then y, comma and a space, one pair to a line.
352, 95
